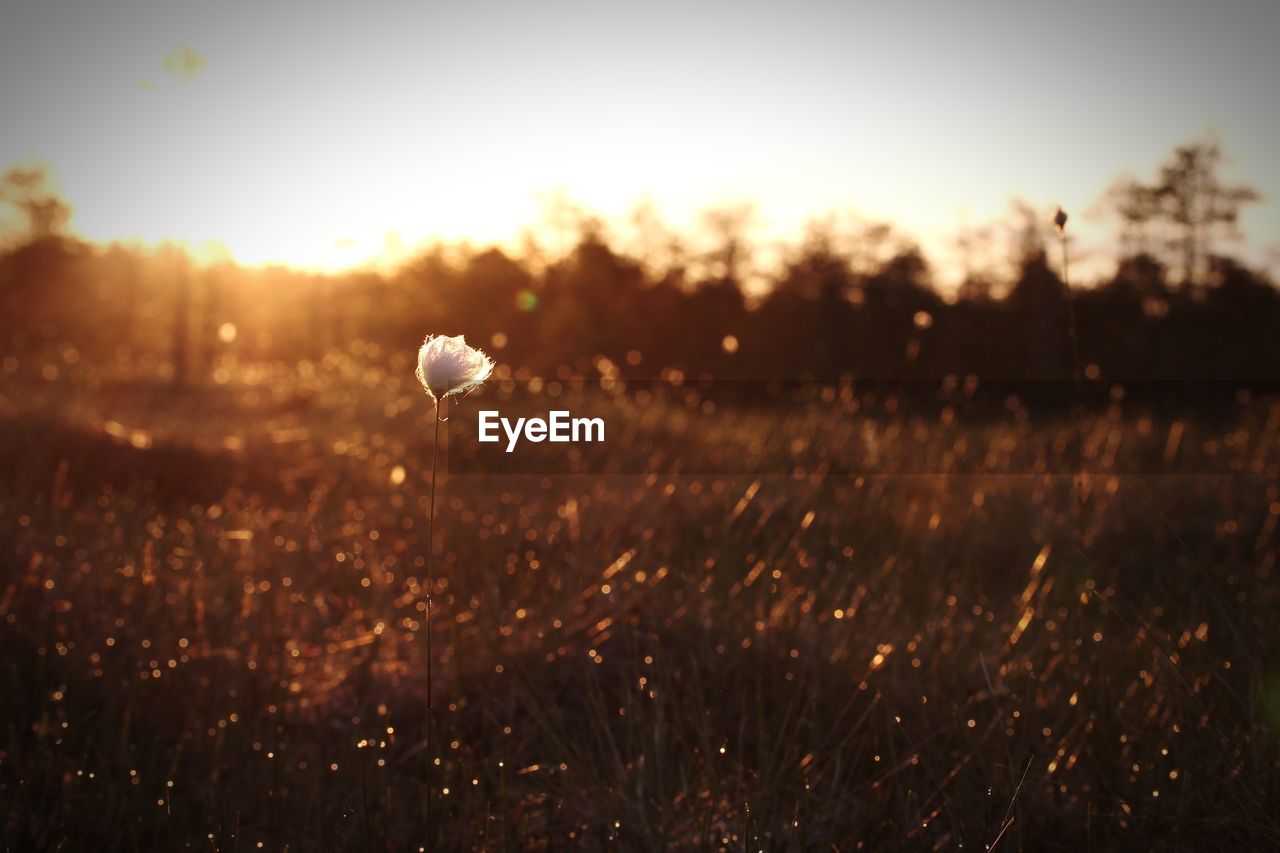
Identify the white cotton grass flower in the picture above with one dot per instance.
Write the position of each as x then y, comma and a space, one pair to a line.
446, 366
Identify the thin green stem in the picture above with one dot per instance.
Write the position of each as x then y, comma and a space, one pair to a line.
1078, 380
431, 529
1071, 311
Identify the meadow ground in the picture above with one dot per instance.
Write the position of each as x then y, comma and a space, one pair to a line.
213, 629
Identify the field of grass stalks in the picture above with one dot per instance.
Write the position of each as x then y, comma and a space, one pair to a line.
213, 624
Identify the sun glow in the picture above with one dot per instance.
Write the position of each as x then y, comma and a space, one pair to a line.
351, 137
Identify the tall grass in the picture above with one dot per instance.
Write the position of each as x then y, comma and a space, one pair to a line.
212, 615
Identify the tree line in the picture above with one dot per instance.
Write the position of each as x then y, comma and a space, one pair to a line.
840, 303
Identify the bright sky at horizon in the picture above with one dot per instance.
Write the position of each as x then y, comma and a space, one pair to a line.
329, 136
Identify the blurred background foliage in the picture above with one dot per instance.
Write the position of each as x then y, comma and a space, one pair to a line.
847, 300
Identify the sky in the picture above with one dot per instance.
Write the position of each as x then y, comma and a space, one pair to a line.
330, 136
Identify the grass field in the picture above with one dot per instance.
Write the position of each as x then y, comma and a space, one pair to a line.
213, 628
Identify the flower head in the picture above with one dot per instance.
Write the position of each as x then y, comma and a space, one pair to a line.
1060, 220
446, 365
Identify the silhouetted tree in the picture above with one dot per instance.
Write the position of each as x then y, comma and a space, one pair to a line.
26, 189
1190, 199
659, 249
177, 269
729, 231
977, 283
1038, 308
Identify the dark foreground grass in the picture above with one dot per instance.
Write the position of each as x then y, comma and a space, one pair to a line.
212, 633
